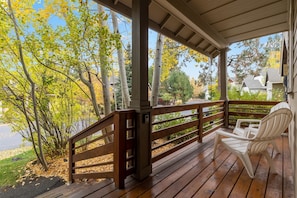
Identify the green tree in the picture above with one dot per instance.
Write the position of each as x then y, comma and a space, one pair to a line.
50, 69
128, 69
176, 55
157, 70
236, 94
34, 125
122, 70
179, 86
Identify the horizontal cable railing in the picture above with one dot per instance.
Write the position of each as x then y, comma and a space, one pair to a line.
105, 149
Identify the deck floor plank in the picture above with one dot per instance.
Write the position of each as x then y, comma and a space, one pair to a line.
225, 187
288, 183
216, 178
191, 172
274, 189
159, 171
258, 185
164, 182
170, 179
243, 184
197, 176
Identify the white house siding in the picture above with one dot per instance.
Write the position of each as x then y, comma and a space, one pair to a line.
274, 87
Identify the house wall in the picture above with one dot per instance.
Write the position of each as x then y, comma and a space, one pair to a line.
269, 90
274, 88
292, 85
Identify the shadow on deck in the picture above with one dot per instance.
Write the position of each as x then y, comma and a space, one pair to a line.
191, 172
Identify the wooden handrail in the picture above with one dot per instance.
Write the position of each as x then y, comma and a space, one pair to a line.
91, 143
93, 128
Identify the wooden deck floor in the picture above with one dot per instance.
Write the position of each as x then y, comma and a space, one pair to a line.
191, 172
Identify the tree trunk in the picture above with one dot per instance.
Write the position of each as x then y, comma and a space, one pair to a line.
32, 84
157, 70
104, 72
105, 80
123, 76
89, 84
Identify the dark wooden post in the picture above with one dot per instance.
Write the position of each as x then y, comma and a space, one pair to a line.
139, 100
71, 152
226, 109
119, 149
200, 124
223, 81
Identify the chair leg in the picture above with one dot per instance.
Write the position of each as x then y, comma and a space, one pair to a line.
275, 147
217, 140
267, 156
247, 164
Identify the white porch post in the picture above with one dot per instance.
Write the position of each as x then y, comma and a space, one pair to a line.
140, 87
223, 81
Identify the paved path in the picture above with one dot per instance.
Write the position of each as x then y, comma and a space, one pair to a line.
8, 139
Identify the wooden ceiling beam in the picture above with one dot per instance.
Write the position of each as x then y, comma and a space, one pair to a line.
118, 7
165, 20
179, 39
199, 42
180, 29
191, 36
193, 20
126, 11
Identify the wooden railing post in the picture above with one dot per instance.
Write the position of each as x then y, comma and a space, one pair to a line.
71, 170
226, 109
200, 123
120, 149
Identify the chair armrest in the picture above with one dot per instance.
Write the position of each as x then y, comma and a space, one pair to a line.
254, 125
239, 121
232, 135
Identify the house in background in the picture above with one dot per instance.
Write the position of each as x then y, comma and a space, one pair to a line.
252, 85
274, 83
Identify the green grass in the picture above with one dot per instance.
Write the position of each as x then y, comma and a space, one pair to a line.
11, 170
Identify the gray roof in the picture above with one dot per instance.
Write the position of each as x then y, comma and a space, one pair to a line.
272, 75
252, 84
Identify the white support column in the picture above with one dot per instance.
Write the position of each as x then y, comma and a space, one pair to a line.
139, 100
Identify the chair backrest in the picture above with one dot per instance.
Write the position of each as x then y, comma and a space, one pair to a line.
271, 127
278, 106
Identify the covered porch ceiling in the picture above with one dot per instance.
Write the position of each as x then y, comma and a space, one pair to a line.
210, 25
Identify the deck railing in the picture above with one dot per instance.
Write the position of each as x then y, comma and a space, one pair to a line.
247, 109
104, 149
174, 127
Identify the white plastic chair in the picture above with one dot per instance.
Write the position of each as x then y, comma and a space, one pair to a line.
253, 124
270, 127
